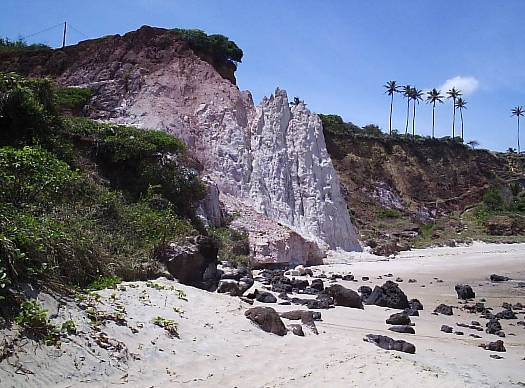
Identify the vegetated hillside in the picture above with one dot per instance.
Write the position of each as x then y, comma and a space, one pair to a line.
404, 192
85, 203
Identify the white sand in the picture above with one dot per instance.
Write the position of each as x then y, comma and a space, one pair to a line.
219, 347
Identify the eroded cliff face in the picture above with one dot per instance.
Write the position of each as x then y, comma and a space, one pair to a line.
271, 159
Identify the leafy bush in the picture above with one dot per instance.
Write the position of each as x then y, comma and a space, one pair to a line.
334, 124
30, 174
33, 319
219, 47
8, 46
136, 160
104, 282
26, 109
233, 245
389, 213
72, 98
493, 199
69, 327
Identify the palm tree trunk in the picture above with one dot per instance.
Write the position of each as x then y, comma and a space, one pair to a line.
408, 114
461, 113
454, 119
391, 108
518, 134
433, 118
414, 121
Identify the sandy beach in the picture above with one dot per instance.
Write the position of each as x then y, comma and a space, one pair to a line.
218, 346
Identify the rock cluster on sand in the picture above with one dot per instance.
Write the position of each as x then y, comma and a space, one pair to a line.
388, 343
498, 278
406, 329
388, 295
345, 297
444, 309
496, 346
398, 319
267, 319
465, 292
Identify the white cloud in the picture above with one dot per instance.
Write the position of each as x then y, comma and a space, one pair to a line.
467, 85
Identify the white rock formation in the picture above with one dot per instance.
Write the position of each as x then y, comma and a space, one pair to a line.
292, 178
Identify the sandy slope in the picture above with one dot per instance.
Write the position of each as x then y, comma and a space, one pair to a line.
218, 346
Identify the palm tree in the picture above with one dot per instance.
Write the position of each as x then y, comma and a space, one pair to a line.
391, 88
518, 111
407, 90
461, 104
454, 94
415, 96
434, 96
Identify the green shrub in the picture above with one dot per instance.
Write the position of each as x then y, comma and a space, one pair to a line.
389, 213
27, 113
135, 160
9, 46
104, 282
32, 175
72, 98
32, 317
493, 199
218, 47
233, 245
69, 327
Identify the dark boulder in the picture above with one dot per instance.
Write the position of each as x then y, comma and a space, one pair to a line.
506, 314
493, 326
464, 291
344, 296
281, 283
365, 292
398, 319
317, 284
444, 309
388, 343
245, 283
299, 284
314, 304
402, 329
415, 304
348, 277
229, 286
267, 319
388, 295
189, 262
498, 278
265, 297
446, 329
496, 346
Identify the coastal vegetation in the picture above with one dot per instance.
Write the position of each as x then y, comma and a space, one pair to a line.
84, 204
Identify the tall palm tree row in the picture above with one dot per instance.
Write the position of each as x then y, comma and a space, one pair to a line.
391, 88
454, 94
461, 104
434, 96
518, 112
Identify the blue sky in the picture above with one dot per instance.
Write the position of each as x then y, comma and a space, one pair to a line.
336, 55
